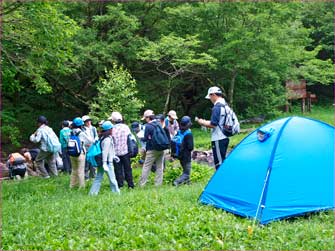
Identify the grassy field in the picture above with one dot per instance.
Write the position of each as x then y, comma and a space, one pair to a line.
46, 215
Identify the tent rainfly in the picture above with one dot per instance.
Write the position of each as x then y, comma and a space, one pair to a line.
282, 169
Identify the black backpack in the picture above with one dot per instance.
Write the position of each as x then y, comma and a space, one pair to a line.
132, 146
159, 139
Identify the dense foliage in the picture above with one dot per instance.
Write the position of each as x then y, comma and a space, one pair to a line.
116, 93
56, 55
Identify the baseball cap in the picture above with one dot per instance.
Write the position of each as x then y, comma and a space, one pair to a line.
173, 114
147, 113
115, 116
106, 125
85, 118
212, 90
78, 121
41, 119
185, 122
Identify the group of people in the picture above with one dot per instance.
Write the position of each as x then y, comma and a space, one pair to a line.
113, 134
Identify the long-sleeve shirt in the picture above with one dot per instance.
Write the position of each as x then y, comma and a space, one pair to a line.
64, 136
172, 127
40, 136
148, 133
84, 138
107, 148
120, 135
186, 148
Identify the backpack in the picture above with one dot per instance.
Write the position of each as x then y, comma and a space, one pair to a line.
16, 159
230, 126
159, 138
53, 144
94, 154
74, 146
176, 143
132, 145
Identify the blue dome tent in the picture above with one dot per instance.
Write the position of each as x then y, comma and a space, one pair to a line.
283, 169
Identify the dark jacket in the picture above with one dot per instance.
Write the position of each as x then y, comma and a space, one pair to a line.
149, 131
186, 148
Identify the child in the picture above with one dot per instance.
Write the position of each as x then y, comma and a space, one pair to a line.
108, 154
186, 148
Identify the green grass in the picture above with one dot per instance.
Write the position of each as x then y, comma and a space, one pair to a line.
42, 214
45, 214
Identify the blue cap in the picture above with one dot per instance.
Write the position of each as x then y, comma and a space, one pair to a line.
106, 125
41, 119
185, 122
78, 121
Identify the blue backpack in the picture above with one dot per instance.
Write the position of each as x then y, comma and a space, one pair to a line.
53, 144
159, 139
177, 141
94, 154
74, 146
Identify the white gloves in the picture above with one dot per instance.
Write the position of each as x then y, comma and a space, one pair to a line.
105, 167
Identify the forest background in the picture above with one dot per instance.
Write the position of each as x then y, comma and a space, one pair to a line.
67, 59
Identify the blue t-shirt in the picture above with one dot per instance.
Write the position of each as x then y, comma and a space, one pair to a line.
217, 118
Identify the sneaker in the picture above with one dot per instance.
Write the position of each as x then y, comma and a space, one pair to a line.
46, 177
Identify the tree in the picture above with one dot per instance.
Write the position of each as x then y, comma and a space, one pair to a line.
116, 92
173, 56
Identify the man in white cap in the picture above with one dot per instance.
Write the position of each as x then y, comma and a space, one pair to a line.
152, 156
171, 123
120, 135
219, 140
92, 134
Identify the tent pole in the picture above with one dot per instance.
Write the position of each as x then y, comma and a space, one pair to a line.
270, 168
262, 195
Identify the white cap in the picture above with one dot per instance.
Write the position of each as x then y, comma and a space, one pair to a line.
173, 114
115, 116
212, 90
85, 118
147, 113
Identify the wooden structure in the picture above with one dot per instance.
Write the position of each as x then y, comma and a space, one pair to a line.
298, 91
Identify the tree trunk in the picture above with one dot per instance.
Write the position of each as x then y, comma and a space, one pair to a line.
168, 96
231, 88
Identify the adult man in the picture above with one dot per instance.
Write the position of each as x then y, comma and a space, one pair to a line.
41, 136
152, 156
92, 134
120, 135
219, 140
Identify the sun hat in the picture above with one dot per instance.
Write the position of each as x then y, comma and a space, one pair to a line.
115, 116
213, 90
173, 114
147, 113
